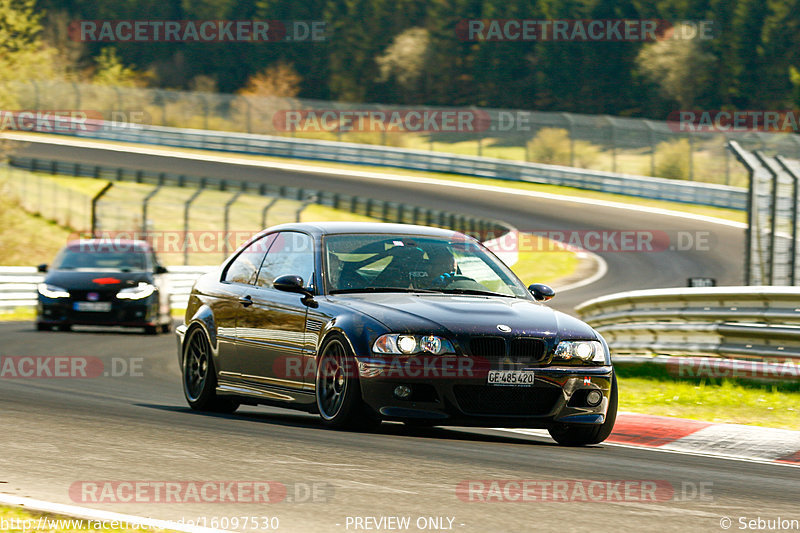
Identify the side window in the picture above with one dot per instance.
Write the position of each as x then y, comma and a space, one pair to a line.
291, 253
243, 269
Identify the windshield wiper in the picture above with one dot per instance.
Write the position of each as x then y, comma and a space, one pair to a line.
476, 292
380, 289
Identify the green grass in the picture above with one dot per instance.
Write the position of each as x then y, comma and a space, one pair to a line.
15, 518
26, 239
544, 262
648, 389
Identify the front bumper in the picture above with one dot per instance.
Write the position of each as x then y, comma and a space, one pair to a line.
134, 313
558, 394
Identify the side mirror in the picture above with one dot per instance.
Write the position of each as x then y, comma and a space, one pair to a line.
42, 268
541, 292
160, 270
290, 283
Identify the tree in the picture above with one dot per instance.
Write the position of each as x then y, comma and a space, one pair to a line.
404, 60
680, 67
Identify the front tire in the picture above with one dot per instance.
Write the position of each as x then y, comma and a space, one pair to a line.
199, 378
338, 389
582, 434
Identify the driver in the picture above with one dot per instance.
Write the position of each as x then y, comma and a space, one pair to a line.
441, 266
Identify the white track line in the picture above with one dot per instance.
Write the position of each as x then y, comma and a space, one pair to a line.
601, 269
310, 169
95, 514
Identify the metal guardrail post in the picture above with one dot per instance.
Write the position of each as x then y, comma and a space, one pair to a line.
186, 208
96, 199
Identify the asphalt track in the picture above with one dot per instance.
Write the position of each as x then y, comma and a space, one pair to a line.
136, 426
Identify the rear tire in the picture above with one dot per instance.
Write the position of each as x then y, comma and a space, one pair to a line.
583, 434
338, 390
64, 327
43, 327
199, 377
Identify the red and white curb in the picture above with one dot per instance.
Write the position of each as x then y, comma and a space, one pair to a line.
732, 441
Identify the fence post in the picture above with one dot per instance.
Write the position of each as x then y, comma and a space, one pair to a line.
311, 198
144, 209
795, 200
738, 153
613, 136
651, 133
571, 134
226, 225
773, 215
94, 206
186, 209
266, 210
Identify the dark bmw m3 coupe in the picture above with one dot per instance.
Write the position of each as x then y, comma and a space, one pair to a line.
363, 322
104, 283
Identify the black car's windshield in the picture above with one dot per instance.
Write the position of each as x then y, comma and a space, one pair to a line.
83, 258
397, 263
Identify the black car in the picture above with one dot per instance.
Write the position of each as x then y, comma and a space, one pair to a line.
104, 283
363, 322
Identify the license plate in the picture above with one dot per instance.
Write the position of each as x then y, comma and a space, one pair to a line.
511, 377
92, 306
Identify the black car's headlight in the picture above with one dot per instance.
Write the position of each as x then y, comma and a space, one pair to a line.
141, 291
51, 291
403, 344
589, 351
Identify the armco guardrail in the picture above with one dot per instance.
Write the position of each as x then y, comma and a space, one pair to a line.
629, 185
18, 285
757, 322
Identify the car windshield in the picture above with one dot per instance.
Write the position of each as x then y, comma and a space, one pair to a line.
79, 258
399, 263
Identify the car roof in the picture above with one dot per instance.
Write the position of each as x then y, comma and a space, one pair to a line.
123, 244
332, 228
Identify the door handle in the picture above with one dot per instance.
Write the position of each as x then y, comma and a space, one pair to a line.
246, 301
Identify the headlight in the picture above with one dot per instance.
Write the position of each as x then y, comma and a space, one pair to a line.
51, 291
143, 290
583, 350
399, 344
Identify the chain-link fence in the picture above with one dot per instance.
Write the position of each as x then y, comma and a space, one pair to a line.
193, 220
615, 144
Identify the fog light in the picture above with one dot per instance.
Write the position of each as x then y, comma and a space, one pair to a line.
594, 397
402, 392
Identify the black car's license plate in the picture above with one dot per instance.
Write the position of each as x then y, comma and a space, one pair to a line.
96, 307
511, 377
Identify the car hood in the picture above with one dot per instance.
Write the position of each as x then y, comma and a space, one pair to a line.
466, 315
97, 280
